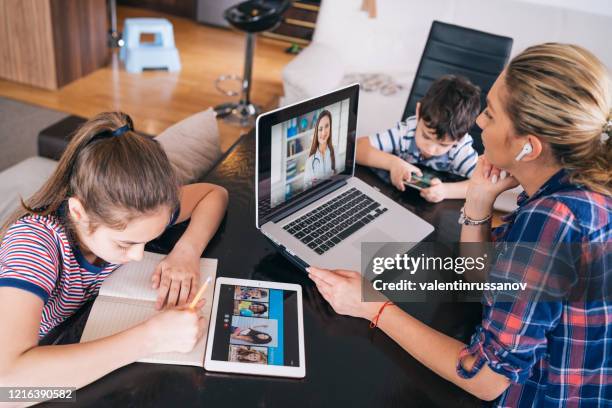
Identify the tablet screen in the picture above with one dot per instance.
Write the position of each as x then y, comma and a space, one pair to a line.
256, 326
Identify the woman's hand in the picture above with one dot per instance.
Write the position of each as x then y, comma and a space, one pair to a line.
436, 193
342, 289
177, 329
400, 171
177, 277
487, 182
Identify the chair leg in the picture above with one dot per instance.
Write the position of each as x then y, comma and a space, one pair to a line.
244, 112
114, 36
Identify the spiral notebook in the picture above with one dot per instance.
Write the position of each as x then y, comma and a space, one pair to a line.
127, 299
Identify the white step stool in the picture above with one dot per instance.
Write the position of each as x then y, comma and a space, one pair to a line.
159, 54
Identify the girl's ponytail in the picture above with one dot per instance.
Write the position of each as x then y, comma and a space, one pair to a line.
106, 170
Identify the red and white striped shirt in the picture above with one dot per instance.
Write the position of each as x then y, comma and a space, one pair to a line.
36, 256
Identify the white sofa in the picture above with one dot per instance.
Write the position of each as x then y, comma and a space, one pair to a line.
347, 41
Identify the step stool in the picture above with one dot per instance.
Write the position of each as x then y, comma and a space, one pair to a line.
159, 54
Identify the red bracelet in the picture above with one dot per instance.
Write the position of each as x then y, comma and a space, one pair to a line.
374, 321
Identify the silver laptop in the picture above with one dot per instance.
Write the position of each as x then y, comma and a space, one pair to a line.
308, 202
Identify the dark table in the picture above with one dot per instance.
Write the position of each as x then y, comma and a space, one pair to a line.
347, 363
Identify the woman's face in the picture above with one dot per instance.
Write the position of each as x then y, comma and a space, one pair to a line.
263, 336
253, 357
256, 308
497, 131
324, 130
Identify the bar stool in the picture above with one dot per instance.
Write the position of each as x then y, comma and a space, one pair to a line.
252, 17
161, 53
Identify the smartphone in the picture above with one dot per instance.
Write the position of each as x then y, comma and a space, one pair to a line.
419, 182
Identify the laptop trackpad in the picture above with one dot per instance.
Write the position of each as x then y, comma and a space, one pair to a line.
374, 235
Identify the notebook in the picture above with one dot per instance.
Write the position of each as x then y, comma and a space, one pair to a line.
127, 299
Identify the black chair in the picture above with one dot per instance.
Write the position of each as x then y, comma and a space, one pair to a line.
452, 49
253, 16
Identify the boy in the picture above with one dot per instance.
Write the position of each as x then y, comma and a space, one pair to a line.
436, 137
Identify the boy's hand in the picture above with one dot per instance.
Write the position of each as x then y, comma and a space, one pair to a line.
400, 171
436, 193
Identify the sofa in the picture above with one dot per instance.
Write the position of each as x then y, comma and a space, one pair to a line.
192, 146
347, 41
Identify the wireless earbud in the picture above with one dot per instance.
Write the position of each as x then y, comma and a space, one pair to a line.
527, 149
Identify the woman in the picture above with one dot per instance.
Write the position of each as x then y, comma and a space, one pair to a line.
251, 309
250, 335
548, 123
321, 161
244, 354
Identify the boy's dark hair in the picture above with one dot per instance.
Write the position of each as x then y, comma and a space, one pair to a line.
450, 106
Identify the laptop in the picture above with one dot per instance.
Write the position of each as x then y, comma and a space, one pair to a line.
308, 202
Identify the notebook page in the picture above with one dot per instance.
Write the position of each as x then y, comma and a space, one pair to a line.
133, 280
112, 315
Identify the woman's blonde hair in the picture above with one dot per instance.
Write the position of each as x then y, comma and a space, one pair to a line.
116, 177
561, 93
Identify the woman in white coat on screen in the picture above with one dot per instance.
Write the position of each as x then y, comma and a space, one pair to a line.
321, 162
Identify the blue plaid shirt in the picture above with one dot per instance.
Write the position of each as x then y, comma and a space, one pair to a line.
555, 353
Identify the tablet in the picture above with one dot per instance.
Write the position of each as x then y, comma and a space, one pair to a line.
256, 327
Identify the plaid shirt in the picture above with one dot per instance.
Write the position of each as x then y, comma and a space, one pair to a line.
555, 353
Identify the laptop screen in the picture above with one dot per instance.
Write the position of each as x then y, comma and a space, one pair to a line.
305, 147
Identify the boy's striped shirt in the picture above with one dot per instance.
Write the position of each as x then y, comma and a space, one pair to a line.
400, 141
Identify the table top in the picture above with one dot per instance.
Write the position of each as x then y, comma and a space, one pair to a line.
347, 363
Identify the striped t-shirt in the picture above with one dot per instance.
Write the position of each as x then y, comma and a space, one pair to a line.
400, 140
36, 256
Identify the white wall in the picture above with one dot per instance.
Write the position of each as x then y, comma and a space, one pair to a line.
603, 7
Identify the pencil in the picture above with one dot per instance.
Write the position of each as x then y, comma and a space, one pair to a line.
198, 295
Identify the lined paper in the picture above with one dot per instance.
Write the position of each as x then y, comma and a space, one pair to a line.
133, 280
126, 299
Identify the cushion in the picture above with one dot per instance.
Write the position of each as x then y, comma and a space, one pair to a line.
192, 145
21, 181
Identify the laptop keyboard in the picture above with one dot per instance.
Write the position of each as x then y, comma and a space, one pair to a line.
331, 223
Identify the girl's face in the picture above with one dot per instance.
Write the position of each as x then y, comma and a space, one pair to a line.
324, 130
119, 246
500, 143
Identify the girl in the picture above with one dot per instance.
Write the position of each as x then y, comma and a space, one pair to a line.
112, 191
321, 161
548, 123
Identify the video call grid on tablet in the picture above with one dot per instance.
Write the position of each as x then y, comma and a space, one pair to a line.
256, 326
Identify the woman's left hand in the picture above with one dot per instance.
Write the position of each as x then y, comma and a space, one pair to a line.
177, 277
342, 289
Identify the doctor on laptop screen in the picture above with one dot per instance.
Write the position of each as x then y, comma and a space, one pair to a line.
308, 150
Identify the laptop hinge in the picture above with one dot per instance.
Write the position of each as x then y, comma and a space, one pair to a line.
308, 200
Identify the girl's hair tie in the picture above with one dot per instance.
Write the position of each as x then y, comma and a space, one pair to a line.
112, 133
121, 130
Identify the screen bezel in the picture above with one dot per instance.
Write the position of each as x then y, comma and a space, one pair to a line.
263, 149
257, 369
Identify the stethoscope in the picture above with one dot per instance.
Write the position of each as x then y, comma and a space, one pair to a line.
314, 160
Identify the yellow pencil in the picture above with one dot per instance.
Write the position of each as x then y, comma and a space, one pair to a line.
198, 295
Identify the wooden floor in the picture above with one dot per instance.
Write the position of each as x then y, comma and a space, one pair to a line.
158, 99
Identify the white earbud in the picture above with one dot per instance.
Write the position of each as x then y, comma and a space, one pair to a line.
527, 149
